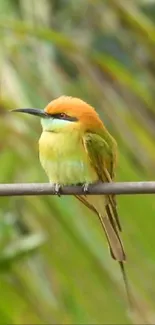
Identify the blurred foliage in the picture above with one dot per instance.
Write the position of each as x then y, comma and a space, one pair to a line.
54, 263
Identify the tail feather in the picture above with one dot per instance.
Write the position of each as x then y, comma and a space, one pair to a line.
116, 250
114, 211
111, 229
114, 241
130, 300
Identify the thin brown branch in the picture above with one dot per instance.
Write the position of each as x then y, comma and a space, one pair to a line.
99, 188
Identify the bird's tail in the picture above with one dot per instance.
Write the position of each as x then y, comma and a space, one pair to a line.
111, 228
116, 250
113, 238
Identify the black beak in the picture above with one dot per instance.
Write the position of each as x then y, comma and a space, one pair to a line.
32, 111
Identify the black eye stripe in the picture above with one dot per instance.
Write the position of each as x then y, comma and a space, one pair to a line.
63, 116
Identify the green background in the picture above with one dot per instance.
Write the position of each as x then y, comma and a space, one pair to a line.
54, 262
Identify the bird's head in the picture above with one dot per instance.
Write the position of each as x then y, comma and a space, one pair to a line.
66, 114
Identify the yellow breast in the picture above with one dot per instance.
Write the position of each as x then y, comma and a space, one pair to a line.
64, 158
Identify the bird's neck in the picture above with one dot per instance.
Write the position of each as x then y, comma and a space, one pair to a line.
60, 144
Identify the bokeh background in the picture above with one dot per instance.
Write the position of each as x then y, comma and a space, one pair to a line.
54, 262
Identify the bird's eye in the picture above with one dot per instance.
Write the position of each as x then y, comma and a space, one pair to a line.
62, 115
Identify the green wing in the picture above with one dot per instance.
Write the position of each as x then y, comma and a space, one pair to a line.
103, 156
102, 153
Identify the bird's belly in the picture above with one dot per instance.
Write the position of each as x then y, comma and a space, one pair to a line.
65, 164
68, 172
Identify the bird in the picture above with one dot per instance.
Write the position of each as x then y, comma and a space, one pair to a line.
75, 147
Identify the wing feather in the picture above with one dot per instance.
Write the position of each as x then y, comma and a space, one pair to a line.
103, 156
102, 151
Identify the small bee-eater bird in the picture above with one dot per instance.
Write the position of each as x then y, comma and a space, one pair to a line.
76, 148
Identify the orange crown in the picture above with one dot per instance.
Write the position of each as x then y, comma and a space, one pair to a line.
75, 107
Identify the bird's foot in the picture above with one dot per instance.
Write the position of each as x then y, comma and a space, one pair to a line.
57, 189
85, 188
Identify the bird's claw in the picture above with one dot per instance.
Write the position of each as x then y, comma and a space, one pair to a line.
57, 189
85, 188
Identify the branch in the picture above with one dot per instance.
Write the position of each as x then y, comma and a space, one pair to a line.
99, 188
